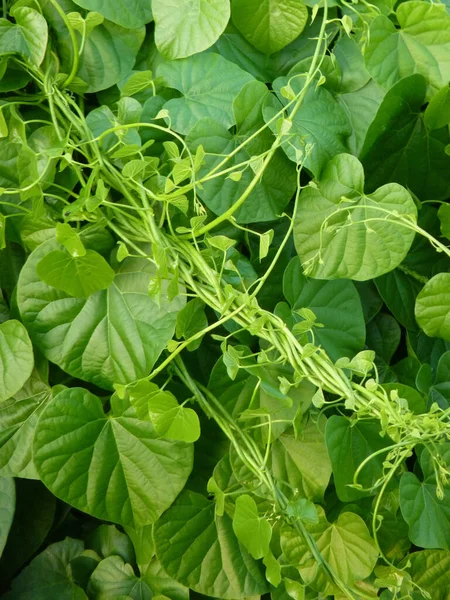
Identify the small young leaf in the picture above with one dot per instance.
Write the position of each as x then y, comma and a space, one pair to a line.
171, 420
69, 238
251, 530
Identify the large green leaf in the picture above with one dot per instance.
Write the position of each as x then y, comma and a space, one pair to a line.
422, 45
7, 507
349, 443
185, 27
201, 551
319, 129
302, 463
399, 146
430, 570
16, 358
433, 307
18, 418
208, 84
269, 25
114, 336
337, 306
48, 575
130, 14
341, 232
113, 579
277, 185
251, 530
28, 37
345, 544
161, 583
114, 468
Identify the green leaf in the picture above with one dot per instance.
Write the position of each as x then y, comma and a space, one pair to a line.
336, 305
137, 82
109, 54
208, 84
69, 238
18, 418
399, 292
28, 37
191, 320
345, 544
185, 28
277, 184
144, 548
349, 443
131, 14
418, 47
48, 575
7, 507
16, 358
427, 515
303, 464
319, 129
383, 336
341, 232
114, 336
430, 570
172, 421
399, 147
107, 540
161, 583
77, 276
113, 468
269, 25
251, 530
31, 525
444, 218
114, 579
202, 552
433, 307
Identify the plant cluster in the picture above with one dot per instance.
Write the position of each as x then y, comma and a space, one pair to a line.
225, 310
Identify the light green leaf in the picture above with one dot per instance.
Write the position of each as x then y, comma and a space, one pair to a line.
349, 443
114, 336
69, 238
16, 358
336, 305
433, 307
251, 530
112, 468
269, 25
144, 548
183, 28
18, 418
208, 84
138, 82
28, 37
340, 232
7, 508
114, 579
345, 544
437, 113
204, 554
422, 45
430, 570
444, 218
172, 421
320, 127
130, 14
48, 575
303, 463
77, 276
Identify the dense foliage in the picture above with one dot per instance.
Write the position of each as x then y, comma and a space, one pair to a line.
225, 311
